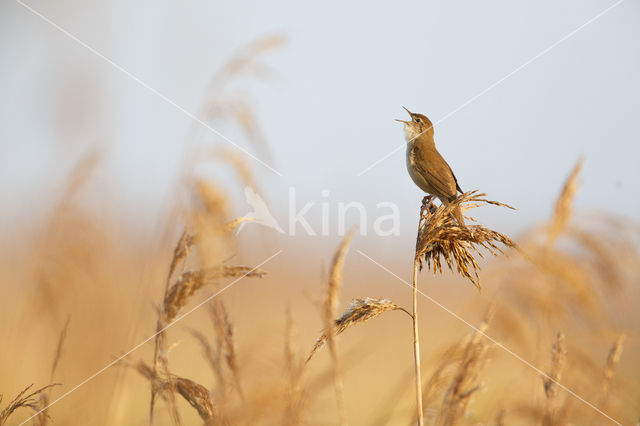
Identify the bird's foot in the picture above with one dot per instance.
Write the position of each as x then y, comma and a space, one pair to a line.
427, 205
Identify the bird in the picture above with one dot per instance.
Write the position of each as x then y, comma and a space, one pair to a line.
426, 166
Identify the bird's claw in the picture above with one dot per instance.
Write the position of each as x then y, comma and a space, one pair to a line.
427, 205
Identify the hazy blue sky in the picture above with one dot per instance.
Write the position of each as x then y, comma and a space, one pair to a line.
342, 77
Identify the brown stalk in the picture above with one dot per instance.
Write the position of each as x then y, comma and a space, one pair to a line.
558, 360
160, 360
329, 313
224, 333
441, 236
416, 342
43, 417
426, 208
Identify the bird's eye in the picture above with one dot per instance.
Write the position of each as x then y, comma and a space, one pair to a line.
417, 120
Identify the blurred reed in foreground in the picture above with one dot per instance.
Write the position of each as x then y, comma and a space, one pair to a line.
85, 294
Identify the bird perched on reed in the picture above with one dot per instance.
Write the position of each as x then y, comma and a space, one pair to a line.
426, 166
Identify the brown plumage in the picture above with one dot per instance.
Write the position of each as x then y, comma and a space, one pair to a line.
426, 166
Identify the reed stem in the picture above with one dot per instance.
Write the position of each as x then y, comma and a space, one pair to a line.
416, 338
416, 345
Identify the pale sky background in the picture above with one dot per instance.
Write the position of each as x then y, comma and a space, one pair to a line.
342, 76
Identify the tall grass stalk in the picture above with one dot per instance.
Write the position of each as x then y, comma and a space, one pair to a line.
440, 235
329, 312
416, 344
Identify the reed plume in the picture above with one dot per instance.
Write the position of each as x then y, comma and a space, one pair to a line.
558, 359
195, 394
359, 311
191, 281
175, 298
440, 236
550, 381
610, 367
564, 204
23, 400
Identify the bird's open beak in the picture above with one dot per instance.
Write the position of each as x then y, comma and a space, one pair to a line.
403, 121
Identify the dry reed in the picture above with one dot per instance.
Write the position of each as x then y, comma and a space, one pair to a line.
180, 252
610, 367
439, 235
359, 311
329, 308
211, 231
195, 394
562, 283
175, 298
591, 264
564, 203
464, 383
221, 358
23, 400
441, 375
43, 416
558, 359
551, 380
191, 281
224, 333
234, 107
213, 358
239, 164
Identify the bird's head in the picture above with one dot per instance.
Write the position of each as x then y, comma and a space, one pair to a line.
417, 126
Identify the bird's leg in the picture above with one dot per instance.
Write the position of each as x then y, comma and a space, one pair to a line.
432, 206
427, 206
428, 199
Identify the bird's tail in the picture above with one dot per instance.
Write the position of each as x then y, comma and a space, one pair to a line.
457, 214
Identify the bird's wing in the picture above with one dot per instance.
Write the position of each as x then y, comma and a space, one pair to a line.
437, 172
455, 179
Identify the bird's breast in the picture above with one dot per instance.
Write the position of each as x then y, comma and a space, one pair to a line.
415, 172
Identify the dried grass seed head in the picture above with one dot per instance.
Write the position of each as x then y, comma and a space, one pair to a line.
359, 311
440, 236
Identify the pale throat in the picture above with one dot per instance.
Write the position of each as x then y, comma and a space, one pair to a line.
410, 133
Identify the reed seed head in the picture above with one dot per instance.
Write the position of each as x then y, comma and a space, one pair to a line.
441, 236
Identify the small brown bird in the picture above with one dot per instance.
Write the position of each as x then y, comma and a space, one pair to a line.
426, 166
